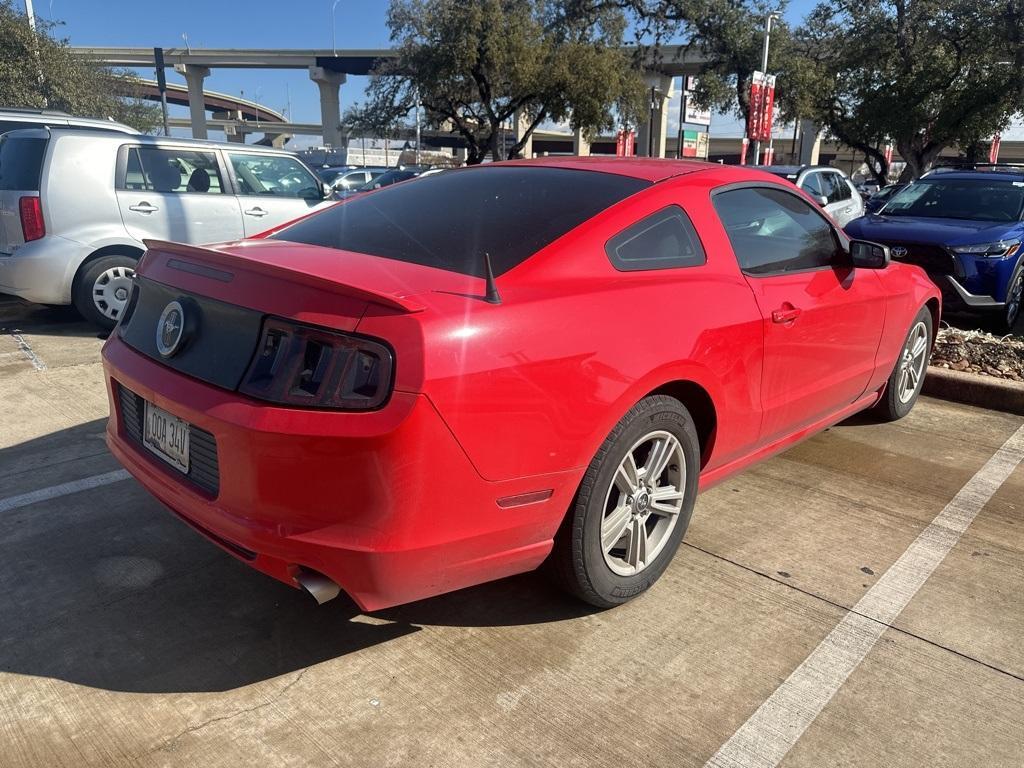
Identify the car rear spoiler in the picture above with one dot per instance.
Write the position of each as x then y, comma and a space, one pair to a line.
229, 261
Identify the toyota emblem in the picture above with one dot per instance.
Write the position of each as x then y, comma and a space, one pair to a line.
170, 329
898, 252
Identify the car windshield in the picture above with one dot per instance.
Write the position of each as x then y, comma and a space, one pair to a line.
450, 220
973, 199
386, 179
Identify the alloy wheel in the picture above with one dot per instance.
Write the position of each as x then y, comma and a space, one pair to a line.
643, 503
111, 290
912, 362
1013, 300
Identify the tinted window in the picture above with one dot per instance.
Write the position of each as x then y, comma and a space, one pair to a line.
979, 200
273, 176
21, 163
388, 178
171, 170
663, 240
812, 185
839, 190
774, 231
450, 220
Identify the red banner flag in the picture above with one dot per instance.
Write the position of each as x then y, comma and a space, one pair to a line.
762, 105
993, 152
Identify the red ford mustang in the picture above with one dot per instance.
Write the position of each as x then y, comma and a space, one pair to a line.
454, 379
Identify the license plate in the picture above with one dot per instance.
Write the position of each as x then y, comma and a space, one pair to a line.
167, 437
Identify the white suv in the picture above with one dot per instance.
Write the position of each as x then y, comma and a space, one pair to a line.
76, 206
830, 188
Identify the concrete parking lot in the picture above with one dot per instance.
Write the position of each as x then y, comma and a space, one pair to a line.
127, 639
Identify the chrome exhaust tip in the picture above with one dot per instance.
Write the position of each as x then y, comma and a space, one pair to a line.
319, 586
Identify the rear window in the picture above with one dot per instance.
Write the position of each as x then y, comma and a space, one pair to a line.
450, 220
21, 163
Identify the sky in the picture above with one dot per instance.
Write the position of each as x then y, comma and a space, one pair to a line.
266, 24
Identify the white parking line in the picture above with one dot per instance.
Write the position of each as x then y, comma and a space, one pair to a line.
23, 500
26, 349
765, 739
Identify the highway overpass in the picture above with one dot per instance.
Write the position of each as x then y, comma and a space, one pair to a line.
330, 68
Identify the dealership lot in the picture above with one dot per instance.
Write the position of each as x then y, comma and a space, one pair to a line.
126, 639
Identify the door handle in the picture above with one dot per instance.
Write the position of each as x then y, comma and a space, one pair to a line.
257, 211
143, 207
787, 314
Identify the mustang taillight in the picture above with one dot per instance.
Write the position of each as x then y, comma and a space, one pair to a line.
302, 365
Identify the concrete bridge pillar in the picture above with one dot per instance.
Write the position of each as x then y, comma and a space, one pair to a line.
194, 76
810, 143
653, 134
580, 145
521, 122
329, 83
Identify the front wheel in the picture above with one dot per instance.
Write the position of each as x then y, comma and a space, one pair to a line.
907, 378
102, 288
1014, 298
633, 505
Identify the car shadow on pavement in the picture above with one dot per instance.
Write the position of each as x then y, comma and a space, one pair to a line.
38, 319
106, 588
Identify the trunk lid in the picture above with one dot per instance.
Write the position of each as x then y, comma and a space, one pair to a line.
21, 165
226, 291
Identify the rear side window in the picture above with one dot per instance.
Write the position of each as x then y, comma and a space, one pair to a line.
812, 185
839, 190
21, 163
273, 176
663, 240
450, 220
774, 231
171, 170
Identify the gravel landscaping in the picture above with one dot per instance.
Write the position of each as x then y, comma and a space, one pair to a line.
980, 353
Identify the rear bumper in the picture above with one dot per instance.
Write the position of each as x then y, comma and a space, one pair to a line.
386, 503
42, 270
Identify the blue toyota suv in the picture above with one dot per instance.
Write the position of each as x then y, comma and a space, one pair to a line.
964, 227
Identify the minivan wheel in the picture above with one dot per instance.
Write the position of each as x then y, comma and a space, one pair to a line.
633, 505
904, 384
102, 288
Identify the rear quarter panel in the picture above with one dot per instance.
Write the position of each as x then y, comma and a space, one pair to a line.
535, 384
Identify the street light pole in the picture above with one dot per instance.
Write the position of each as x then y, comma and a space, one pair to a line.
764, 69
334, 44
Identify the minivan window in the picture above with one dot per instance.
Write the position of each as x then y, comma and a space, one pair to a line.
165, 170
21, 163
273, 175
450, 220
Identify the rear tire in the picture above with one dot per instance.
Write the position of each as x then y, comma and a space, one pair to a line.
904, 384
633, 506
102, 287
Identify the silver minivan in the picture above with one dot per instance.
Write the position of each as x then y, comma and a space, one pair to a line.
76, 206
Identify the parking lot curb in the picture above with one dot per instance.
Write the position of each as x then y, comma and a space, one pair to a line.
972, 389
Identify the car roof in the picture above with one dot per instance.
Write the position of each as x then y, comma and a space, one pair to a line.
156, 141
42, 116
1000, 174
652, 169
795, 169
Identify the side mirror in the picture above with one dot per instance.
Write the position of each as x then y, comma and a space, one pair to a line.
868, 255
821, 200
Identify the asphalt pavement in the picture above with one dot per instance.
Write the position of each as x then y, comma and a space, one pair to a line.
856, 601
